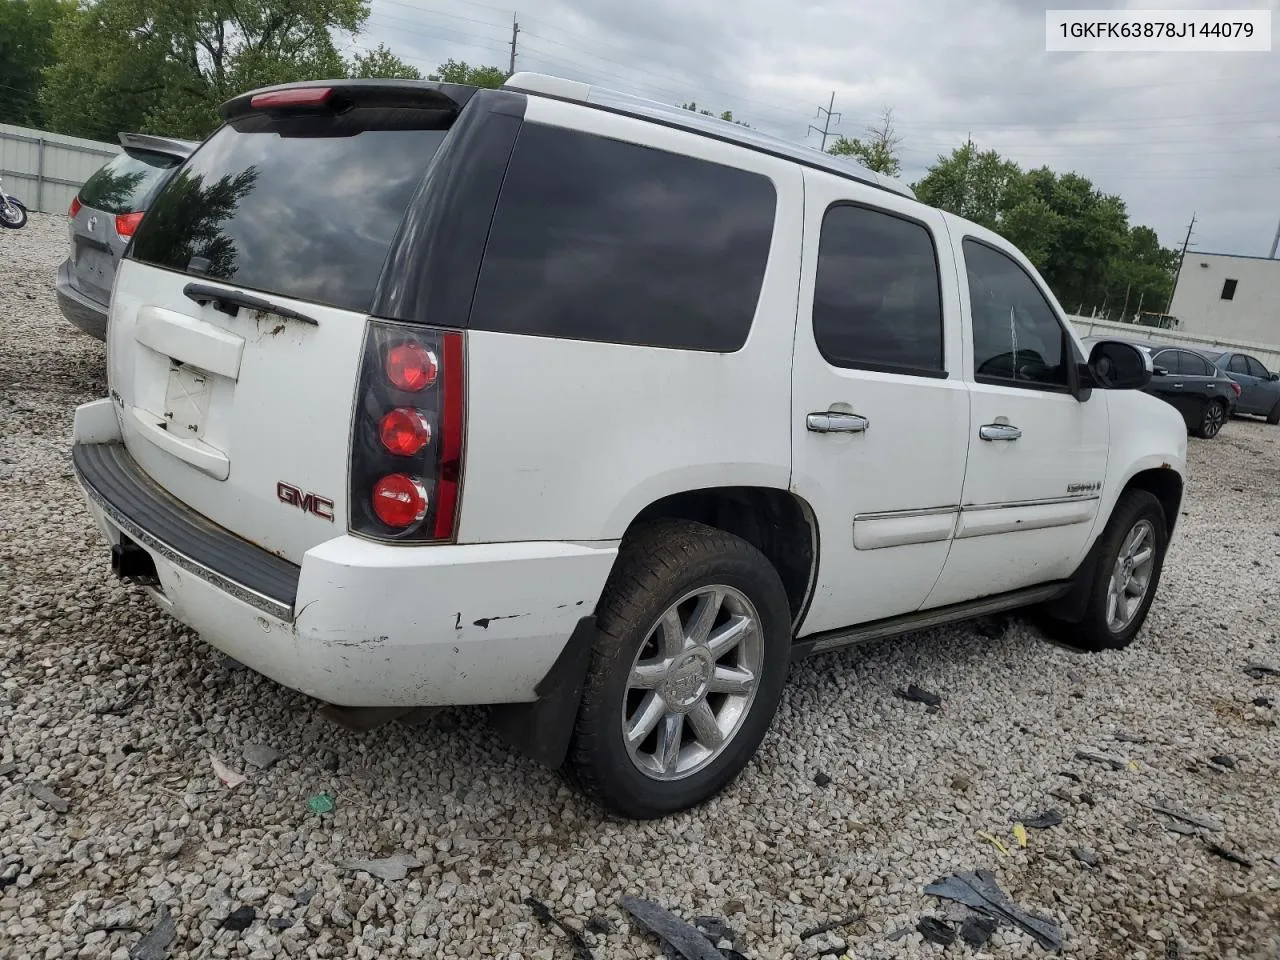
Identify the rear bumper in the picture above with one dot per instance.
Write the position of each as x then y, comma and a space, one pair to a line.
83, 311
358, 623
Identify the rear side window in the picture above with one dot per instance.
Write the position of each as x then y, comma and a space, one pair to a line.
306, 211
876, 302
126, 182
597, 239
1239, 364
1194, 365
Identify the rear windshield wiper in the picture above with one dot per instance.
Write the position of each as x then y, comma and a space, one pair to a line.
230, 302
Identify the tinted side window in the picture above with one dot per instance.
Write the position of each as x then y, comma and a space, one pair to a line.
596, 239
1170, 360
1256, 369
1194, 365
876, 303
1017, 338
1239, 365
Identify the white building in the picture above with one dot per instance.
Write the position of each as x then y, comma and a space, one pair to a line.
1228, 296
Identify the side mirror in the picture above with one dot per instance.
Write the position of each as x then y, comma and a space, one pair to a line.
1115, 365
1159, 372
1274, 376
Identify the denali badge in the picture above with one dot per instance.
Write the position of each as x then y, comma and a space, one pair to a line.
322, 507
1084, 487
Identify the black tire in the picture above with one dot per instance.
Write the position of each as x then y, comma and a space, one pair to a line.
1274, 416
15, 220
1215, 415
1094, 632
658, 565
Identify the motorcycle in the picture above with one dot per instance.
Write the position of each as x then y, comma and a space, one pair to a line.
12, 213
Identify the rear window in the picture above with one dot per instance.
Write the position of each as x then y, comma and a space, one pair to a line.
597, 239
125, 184
306, 211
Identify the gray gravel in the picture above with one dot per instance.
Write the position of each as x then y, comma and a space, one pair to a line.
114, 711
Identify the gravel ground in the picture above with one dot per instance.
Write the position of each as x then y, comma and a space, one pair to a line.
110, 809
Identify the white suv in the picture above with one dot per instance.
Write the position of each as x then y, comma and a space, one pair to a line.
598, 411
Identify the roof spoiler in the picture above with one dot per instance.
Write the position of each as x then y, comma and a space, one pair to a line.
145, 141
319, 97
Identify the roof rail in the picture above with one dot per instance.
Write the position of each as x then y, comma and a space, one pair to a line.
560, 89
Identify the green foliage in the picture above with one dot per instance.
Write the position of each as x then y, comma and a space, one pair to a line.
459, 71
1078, 237
878, 152
381, 63
726, 115
165, 67
26, 49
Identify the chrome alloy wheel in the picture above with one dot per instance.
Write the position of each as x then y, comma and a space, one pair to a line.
692, 682
1131, 575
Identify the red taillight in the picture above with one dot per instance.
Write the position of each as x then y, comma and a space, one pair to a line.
127, 223
74, 208
404, 431
407, 435
296, 97
1235, 387
411, 366
399, 500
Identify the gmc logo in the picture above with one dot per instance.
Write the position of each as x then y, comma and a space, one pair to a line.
314, 504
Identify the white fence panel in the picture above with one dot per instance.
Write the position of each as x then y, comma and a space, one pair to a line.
44, 170
1269, 354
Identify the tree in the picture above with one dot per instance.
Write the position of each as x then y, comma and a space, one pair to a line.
26, 49
879, 151
458, 71
1078, 237
726, 115
165, 67
381, 63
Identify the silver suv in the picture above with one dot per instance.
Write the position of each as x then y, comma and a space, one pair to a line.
103, 217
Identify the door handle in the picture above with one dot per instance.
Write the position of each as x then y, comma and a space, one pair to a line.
1178, 386
999, 431
830, 422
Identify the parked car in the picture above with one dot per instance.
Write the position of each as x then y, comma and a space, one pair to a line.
1205, 396
103, 216
1259, 387
602, 412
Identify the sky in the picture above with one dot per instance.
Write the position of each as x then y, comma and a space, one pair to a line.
1172, 134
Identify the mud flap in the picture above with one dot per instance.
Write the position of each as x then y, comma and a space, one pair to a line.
1070, 607
541, 730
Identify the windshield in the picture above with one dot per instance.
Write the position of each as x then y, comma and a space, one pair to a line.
307, 212
125, 184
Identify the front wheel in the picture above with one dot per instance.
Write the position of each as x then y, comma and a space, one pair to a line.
1130, 559
1215, 415
688, 670
1274, 416
13, 215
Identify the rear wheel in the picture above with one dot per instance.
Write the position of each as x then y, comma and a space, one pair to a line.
1131, 557
1274, 416
694, 647
1215, 415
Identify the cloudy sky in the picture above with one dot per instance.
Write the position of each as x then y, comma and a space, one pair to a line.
1171, 133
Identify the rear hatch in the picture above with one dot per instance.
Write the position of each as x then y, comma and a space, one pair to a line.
238, 316
106, 211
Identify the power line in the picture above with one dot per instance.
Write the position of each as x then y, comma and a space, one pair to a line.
826, 124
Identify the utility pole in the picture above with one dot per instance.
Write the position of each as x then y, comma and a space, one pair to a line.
1124, 311
826, 126
515, 32
1182, 256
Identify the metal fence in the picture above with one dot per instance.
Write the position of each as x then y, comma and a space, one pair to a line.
44, 170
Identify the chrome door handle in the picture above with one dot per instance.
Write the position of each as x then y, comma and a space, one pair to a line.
837, 423
999, 431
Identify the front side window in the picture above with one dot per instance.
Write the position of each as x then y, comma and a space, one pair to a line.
1256, 369
1017, 339
876, 301
1170, 361
599, 239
